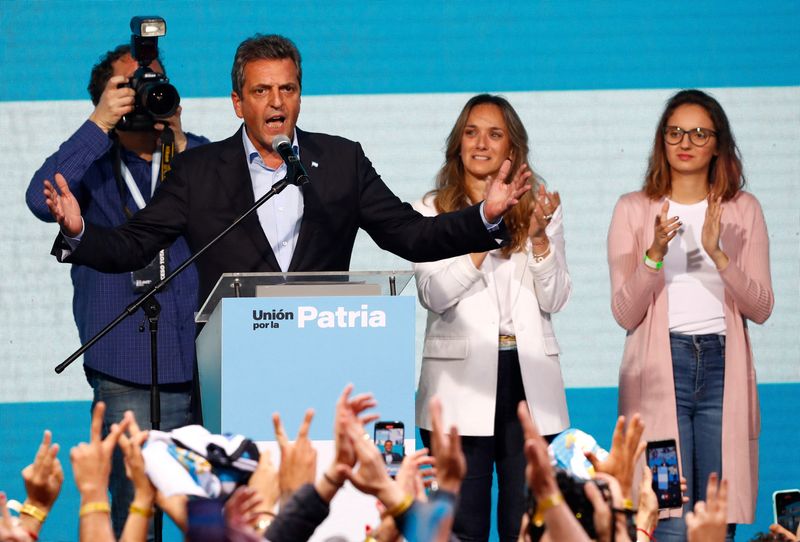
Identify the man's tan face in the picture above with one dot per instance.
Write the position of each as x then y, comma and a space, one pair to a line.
269, 102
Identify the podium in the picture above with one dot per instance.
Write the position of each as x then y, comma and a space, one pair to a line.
298, 348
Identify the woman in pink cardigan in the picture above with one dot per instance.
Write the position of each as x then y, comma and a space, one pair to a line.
689, 263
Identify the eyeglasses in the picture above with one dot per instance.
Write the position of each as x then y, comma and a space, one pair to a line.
673, 135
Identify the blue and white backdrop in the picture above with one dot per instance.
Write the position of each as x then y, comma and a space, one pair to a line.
589, 79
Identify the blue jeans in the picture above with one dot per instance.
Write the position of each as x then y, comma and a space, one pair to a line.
119, 397
698, 368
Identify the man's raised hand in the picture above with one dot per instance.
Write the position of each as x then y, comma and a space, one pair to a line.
63, 206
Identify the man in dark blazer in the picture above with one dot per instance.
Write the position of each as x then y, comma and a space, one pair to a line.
312, 228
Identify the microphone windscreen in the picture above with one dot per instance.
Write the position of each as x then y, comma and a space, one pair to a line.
280, 140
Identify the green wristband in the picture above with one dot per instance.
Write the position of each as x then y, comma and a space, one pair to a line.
652, 264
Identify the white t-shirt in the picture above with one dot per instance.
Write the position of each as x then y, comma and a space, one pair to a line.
695, 290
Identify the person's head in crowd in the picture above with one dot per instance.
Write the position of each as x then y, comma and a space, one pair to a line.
487, 132
267, 79
693, 134
118, 61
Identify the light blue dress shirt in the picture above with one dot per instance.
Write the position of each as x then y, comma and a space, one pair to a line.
280, 216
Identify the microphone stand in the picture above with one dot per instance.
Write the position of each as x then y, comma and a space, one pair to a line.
152, 308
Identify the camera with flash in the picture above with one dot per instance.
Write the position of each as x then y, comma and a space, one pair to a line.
155, 97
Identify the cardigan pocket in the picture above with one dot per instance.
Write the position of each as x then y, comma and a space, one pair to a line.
445, 348
551, 346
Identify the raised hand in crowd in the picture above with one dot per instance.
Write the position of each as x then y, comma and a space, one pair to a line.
11, 530
709, 520
502, 195
551, 509
298, 459
413, 479
618, 523
241, 511
370, 476
626, 447
144, 493
647, 511
350, 410
264, 482
417, 471
91, 466
63, 206
779, 530
665, 229
451, 465
43, 480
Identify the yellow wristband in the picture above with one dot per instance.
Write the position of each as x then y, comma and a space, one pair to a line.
33, 511
543, 505
92, 507
145, 512
401, 507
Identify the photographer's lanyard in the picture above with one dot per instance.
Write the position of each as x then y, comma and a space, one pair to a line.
133, 188
161, 162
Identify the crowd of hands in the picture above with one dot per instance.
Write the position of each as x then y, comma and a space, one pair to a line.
357, 460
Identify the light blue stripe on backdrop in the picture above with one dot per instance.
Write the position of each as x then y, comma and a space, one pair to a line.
355, 47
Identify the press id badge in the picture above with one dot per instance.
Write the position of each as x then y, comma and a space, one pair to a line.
144, 278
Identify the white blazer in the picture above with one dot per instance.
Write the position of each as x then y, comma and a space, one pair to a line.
459, 359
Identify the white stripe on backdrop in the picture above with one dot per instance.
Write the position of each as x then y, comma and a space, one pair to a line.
590, 145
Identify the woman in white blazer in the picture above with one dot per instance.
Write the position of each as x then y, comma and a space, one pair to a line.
489, 341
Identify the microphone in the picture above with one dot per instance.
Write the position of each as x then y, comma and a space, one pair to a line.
283, 145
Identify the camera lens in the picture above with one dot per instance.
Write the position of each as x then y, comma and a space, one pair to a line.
161, 100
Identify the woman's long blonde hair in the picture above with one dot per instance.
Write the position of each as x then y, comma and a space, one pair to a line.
450, 193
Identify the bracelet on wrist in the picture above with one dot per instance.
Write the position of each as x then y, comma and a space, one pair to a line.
33, 511
543, 505
141, 510
652, 264
95, 506
402, 506
648, 535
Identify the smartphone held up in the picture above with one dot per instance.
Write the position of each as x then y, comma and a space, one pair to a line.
662, 459
390, 440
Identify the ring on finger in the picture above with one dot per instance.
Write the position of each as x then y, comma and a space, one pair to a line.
548, 217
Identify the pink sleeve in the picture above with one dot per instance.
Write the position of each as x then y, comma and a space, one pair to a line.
750, 285
633, 284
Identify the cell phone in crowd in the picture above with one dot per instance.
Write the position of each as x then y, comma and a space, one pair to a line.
390, 440
786, 508
662, 458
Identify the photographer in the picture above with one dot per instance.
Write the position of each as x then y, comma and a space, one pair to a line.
114, 172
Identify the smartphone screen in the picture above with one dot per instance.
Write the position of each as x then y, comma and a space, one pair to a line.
390, 440
662, 458
786, 507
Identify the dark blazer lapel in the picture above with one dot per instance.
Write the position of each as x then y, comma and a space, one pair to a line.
238, 185
311, 158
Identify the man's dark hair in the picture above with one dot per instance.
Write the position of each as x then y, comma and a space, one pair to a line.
261, 47
104, 69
